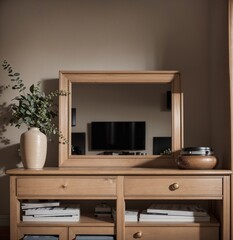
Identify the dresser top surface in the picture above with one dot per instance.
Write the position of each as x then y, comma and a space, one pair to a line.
116, 171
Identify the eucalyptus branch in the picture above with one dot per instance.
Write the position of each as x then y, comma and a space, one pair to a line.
34, 108
15, 77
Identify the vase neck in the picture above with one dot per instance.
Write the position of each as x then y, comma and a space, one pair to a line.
34, 128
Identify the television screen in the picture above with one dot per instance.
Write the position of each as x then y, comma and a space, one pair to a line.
118, 135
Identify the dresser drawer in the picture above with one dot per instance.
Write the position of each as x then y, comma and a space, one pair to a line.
187, 187
165, 232
83, 186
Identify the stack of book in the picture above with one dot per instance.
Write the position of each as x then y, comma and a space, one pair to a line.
103, 210
114, 214
42, 237
95, 237
131, 215
51, 211
174, 213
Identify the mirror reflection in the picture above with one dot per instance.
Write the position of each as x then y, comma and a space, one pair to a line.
121, 119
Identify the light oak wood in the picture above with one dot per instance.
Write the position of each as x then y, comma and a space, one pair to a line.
103, 187
226, 234
120, 210
172, 233
115, 171
67, 79
75, 231
137, 184
14, 208
62, 232
174, 187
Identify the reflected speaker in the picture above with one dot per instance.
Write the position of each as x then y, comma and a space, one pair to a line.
161, 144
78, 143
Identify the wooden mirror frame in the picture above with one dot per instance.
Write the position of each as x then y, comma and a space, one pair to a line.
67, 78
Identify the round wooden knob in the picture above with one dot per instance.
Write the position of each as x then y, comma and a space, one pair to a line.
64, 185
175, 186
138, 235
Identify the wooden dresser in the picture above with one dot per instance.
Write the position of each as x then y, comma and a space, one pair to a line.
123, 188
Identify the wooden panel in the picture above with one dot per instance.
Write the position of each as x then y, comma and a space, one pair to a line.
226, 209
173, 187
14, 208
119, 76
67, 79
120, 210
172, 233
75, 231
62, 232
66, 186
139, 171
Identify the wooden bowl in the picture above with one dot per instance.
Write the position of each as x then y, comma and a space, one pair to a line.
196, 162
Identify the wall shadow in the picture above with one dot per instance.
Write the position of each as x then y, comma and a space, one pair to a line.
9, 153
5, 117
49, 85
9, 159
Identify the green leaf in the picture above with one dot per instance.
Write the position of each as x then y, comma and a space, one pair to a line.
32, 88
22, 89
34, 108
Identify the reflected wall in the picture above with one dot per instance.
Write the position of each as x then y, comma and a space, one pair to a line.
122, 102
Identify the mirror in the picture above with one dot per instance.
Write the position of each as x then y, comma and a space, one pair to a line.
150, 103
113, 110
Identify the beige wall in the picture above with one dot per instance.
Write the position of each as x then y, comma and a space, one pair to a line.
40, 37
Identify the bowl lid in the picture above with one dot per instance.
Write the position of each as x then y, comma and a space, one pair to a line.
197, 151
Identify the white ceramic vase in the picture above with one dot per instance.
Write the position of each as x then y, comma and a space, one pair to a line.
33, 148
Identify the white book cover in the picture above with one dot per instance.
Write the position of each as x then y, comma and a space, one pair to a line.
53, 210
133, 212
144, 216
54, 215
178, 209
39, 205
131, 215
51, 219
175, 220
131, 219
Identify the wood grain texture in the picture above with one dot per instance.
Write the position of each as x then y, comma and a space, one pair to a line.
114, 185
67, 79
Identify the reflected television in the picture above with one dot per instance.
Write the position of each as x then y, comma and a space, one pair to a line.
118, 135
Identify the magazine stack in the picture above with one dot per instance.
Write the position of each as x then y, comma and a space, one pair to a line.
130, 215
50, 212
103, 210
174, 213
95, 237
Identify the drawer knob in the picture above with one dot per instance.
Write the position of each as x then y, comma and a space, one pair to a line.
174, 186
138, 235
64, 185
